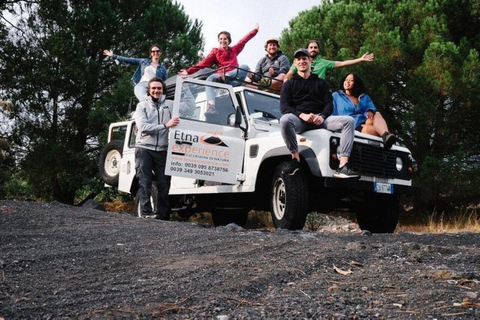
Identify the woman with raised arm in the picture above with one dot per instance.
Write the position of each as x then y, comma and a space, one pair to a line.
148, 68
225, 58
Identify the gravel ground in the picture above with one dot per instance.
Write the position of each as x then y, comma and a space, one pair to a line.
62, 262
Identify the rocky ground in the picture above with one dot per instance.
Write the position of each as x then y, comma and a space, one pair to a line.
62, 262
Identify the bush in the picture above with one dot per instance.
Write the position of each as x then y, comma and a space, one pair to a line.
447, 183
16, 188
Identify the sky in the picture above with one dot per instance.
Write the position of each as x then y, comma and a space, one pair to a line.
239, 18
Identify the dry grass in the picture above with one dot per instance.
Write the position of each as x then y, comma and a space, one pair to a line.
118, 206
465, 220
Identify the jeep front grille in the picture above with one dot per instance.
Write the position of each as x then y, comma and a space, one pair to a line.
373, 161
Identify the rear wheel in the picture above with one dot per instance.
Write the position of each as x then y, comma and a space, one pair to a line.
222, 217
109, 162
379, 214
288, 199
183, 205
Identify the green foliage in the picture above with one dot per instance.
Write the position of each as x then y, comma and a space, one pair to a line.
65, 92
6, 166
314, 222
112, 195
423, 79
17, 188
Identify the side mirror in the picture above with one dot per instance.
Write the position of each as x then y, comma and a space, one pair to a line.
235, 119
232, 119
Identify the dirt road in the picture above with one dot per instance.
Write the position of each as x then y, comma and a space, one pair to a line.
58, 261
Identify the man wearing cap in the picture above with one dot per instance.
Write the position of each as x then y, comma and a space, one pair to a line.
320, 65
273, 66
306, 104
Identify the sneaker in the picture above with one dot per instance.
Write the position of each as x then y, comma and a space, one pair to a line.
291, 168
388, 139
346, 173
149, 216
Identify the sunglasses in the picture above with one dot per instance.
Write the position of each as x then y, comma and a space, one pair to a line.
155, 51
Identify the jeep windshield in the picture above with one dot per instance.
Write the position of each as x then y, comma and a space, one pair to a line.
263, 107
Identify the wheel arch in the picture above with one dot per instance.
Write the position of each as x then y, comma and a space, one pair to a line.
310, 158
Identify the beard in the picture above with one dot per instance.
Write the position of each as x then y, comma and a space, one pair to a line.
313, 54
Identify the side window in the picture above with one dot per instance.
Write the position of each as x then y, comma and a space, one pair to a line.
206, 103
263, 107
133, 136
118, 133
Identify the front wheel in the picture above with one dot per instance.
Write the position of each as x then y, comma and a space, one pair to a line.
380, 214
288, 199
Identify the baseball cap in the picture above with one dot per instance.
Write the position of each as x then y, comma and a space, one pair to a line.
301, 52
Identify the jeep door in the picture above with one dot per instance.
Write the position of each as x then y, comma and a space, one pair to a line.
207, 144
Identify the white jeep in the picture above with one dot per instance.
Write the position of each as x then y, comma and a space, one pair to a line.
230, 162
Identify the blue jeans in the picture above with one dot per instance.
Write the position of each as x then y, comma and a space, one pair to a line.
148, 162
234, 78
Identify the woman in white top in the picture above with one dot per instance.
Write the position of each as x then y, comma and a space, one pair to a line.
148, 68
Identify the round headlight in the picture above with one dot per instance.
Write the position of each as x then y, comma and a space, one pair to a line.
399, 163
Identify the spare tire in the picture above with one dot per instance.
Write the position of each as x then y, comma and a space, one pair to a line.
109, 162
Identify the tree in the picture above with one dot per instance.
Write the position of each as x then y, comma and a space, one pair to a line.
423, 79
63, 89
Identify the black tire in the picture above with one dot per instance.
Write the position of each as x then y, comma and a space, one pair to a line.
222, 217
153, 199
109, 162
183, 205
289, 199
380, 214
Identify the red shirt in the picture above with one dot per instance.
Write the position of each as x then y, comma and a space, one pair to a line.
223, 57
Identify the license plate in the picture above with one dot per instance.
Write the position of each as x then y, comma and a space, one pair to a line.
383, 187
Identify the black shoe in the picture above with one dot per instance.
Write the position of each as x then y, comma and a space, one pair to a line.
149, 216
346, 173
291, 168
388, 139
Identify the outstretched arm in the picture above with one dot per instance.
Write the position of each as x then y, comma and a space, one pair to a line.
238, 47
367, 57
209, 60
107, 52
110, 53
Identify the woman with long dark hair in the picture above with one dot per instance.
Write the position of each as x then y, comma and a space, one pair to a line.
354, 102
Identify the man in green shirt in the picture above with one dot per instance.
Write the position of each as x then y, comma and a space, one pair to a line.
320, 66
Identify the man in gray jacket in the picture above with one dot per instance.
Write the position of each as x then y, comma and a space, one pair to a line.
271, 69
153, 118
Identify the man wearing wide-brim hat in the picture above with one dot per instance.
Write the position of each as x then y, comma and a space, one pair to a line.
271, 69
